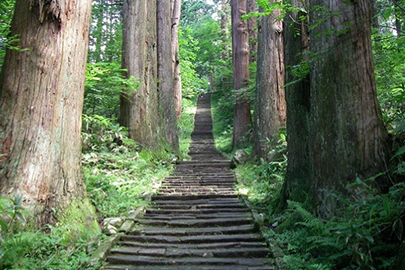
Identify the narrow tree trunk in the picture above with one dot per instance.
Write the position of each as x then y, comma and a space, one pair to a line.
139, 109
176, 13
270, 105
41, 98
224, 28
165, 75
348, 138
297, 181
240, 52
99, 31
252, 29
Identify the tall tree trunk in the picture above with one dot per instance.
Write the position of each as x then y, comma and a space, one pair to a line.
240, 57
270, 105
99, 32
252, 29
165, 75
224, 28
348, 138
41, 98
297, 182
176, 13
139, 109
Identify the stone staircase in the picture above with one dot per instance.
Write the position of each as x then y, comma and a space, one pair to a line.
196, 221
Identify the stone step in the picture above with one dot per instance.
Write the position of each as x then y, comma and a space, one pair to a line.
150, 260
190, 252
176, 211
197, 215
187, 267
197, 222
159, 197
194, 231
227, 244
194, 239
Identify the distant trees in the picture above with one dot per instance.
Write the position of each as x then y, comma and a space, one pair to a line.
41, 98
149, 112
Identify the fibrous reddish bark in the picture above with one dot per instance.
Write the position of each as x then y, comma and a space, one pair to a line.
41, 97
240, 49
165, 75
176, 13
270, 105
139, 110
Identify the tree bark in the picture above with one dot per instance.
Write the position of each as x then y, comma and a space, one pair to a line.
297, 182
270, 105
348, 138
139, 110
41, 98
252, 29
240, 57
224, 28
176, 13
165, 75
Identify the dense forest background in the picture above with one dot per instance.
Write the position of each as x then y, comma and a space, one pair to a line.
322, 164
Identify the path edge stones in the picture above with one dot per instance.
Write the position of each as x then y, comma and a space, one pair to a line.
258, 222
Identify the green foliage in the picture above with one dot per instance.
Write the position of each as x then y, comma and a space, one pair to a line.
118, 183
104, 134
186, 125
188, 51
222, 114
365, 234
262, 182
6, 15
104, 84
106, 31
64, 246
389, 57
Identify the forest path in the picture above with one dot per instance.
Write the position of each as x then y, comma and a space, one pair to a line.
196, 221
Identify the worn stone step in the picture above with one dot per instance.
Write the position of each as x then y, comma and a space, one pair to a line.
195, 231
156, 211
251, 237
199, 202
149, 260
255, 244
187, 267
214, 189
197, 222
196, 215
190, 252
162, 197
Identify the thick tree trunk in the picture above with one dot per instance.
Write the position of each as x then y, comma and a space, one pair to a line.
139, 109
348, 138
270, 105
176, 13
41, 97
297, 181
240, 56
165, 75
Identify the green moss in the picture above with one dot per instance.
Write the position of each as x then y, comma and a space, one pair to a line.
79, 220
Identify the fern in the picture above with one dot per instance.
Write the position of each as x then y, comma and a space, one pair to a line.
309, 220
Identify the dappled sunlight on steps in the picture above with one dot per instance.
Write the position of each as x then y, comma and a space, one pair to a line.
197, 220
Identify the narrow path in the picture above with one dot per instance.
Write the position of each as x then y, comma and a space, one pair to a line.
196, 221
